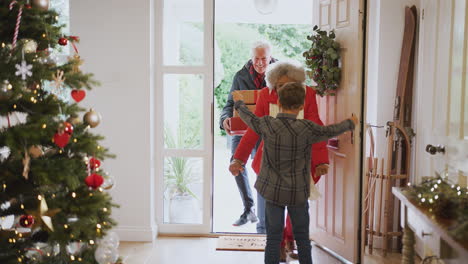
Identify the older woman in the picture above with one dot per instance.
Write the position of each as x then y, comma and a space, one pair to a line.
278, 74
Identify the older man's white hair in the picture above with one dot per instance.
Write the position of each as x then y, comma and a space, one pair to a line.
261, 44
290, 68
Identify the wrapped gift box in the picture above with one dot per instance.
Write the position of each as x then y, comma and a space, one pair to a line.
238, 127
250, 107
250, 96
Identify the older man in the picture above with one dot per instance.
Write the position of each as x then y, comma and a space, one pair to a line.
250, 77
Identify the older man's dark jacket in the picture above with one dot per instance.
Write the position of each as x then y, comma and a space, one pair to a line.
242, 81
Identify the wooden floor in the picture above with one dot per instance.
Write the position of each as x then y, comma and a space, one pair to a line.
184, 250
377, 258
203, 251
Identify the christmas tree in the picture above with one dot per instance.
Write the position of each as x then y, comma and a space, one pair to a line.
54, 205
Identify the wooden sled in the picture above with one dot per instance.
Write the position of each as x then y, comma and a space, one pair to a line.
378, 203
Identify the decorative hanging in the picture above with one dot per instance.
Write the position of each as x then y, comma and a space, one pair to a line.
23, 69
18, 22
323, 60
26, 163
265, 7
43, 216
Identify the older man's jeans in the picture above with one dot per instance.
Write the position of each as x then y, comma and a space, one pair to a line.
274, 218
261, 229
242, 179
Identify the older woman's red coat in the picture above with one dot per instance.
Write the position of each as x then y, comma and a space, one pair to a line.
248, 141
265, 97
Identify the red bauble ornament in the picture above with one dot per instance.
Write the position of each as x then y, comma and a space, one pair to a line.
61, 140
63, 41
28, 6
26, 221
94, 163
78, 95
68, 128
94, 180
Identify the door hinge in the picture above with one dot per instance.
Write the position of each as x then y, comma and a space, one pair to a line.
422, 16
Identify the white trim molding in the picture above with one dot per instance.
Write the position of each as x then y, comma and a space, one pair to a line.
137, 233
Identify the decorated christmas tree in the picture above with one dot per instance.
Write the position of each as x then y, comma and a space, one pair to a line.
54, 205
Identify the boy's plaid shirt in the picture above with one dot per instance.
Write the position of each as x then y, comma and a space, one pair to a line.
284, 176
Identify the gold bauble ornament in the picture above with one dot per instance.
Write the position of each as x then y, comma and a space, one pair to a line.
92, 118
35, 151
74, 120
5, 90
29, 46
41, 4
109, 182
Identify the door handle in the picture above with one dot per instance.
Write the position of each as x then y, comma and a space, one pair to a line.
333, 143
423, 234
435, 149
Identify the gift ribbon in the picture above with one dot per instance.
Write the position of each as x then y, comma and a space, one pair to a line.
8, 119
88, 165
18, 21
73, 40
26, 164
35, 249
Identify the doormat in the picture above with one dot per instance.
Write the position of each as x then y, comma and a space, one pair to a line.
241, 243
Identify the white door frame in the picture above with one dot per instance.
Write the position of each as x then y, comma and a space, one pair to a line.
206, 152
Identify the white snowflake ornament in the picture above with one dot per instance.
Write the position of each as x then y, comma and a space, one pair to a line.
24, 70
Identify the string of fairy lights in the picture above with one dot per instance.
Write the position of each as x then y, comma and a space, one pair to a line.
18, 235
443, 200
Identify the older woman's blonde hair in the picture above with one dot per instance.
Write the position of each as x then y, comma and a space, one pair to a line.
290, 68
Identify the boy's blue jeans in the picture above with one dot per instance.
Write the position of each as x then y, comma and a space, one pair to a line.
274, 218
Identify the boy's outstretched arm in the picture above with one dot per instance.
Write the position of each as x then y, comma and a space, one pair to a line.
321, 133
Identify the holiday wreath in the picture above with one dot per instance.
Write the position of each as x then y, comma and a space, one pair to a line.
323, 61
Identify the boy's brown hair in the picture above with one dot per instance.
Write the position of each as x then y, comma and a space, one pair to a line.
291, 95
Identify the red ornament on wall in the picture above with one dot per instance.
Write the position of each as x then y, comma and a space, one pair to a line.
94, 163
26, 221
63, 41
94, 180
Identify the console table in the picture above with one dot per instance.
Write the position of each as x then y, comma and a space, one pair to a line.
432, 231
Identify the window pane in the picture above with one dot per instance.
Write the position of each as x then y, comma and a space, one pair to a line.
60, 54
62, 7
183, 190
183, 32
183, 111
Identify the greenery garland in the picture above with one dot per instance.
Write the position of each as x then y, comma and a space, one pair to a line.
323, 60
444, 200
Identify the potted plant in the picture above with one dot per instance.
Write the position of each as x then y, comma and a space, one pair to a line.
178, 179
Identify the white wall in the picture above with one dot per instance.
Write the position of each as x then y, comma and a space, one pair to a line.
115, 44
384, 40
385, 35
